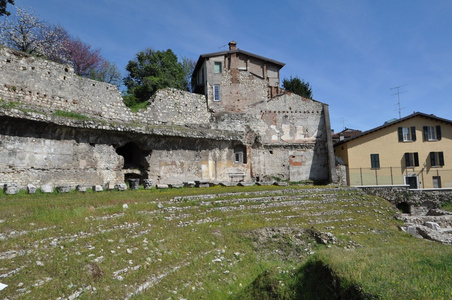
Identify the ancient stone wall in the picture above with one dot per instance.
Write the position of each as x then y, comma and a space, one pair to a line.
37, 82
177, 138
172, 106
402, 194
39, 161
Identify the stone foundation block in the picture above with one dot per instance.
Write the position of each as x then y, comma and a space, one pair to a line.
121, 187
31, 189
228, 183
147, 184
63, 189
189, 184
202, 183
251, 183
176, 185
265, 183
97, 188
11, 189
46, 189
134, 184
162, 186
81, 188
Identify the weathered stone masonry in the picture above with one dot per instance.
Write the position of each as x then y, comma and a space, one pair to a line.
178, 138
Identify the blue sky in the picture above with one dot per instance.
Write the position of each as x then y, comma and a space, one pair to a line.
352, 52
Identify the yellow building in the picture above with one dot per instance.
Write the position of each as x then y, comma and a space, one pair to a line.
415, 150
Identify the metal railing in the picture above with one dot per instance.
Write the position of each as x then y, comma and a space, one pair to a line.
397, 175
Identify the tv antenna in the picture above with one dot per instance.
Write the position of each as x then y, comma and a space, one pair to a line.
343, 122
398, 97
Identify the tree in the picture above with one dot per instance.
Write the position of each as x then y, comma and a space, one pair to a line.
107, 72
152, 70
51, 43
3, 4
22, 32
27, 33
298, 86
84, 59
188, 65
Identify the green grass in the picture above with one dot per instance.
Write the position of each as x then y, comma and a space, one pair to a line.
69, 114
447, 206
8, 104
175, 244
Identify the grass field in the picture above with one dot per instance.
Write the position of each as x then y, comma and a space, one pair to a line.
214, 243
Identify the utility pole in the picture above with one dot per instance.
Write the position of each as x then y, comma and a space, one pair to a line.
398, 98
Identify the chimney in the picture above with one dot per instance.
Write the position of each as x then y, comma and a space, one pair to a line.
232, 45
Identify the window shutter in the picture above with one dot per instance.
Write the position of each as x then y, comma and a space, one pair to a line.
413, 133
425, 133
400, 130
407, 159
416, 159
438, 132
432, 159
441, 158
375, 161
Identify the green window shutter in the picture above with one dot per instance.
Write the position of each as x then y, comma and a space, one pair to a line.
400, 130
425, 133
441, 158
375, 161
438, 132
432, 159
407, 160
416, 159
413, 133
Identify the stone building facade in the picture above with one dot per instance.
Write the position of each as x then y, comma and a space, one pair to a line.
60, 129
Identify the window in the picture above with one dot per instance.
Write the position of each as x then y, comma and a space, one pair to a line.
240, 155
411, 160
407, 134
432, 133
217, 67
216, 92
436, 159
437, 182
375, 161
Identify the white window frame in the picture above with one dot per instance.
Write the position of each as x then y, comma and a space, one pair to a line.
216, 92
431, 136
406, 134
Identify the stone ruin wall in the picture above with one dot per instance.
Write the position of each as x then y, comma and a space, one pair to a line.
41, 83
288, 137
277, 133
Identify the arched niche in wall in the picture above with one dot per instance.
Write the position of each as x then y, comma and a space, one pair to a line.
132, 155
134, 160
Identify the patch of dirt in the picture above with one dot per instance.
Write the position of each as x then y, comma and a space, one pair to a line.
286, 243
